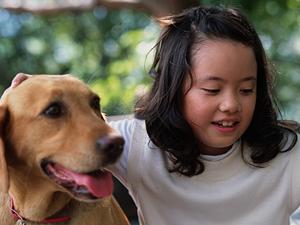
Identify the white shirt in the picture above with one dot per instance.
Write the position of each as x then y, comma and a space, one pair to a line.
228, 192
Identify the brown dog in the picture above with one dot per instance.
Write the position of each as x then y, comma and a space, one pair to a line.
54, 142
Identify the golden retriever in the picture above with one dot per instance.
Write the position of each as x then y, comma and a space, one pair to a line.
54, 144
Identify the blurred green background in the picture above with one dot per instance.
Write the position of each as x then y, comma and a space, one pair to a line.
107, 48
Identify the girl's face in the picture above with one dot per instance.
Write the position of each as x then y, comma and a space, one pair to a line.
220, 99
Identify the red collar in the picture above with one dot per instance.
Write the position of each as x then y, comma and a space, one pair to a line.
23, 220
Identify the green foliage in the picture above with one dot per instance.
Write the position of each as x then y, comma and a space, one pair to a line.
278, 25
106, 49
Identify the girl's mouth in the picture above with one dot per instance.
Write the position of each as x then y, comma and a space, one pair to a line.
225, 124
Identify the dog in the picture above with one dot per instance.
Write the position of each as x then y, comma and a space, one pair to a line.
54, 146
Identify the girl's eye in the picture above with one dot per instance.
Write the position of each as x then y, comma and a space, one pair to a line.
211, 91
247, 91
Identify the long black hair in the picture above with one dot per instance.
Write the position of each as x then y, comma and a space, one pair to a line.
161, 108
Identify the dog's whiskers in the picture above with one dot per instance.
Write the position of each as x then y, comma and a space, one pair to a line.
92, 76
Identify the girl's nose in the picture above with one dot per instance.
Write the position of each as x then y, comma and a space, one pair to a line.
230, 104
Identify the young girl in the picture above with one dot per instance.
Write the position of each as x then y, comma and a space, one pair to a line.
206, 146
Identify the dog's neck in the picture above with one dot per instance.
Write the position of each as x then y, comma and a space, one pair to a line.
36, 202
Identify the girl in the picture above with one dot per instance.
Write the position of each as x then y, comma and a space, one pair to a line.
206, 146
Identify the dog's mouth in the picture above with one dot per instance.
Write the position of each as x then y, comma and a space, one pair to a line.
86, 186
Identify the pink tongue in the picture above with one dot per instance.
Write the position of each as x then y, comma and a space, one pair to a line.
100, 185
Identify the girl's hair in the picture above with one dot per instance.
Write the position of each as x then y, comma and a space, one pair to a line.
161, 108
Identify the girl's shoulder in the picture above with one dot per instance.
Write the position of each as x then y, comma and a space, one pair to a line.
291, 134
288, 152
290, 147
129, 126
291, 141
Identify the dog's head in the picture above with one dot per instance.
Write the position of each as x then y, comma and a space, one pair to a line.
53, 132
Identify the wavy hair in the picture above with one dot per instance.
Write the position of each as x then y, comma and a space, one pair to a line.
161, 107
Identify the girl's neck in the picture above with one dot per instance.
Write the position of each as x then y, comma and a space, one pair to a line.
208, 150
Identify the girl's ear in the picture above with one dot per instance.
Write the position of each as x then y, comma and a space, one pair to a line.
4, 176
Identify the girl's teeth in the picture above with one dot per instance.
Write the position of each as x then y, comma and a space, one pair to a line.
226, 124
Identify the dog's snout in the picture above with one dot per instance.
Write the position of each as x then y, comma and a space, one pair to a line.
111, 146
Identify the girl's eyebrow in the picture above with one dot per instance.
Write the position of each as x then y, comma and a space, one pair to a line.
216, 78
249, 78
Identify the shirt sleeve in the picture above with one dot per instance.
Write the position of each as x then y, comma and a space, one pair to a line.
295, 176
119, 169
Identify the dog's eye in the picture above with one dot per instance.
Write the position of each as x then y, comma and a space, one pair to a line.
54, 110
95, 104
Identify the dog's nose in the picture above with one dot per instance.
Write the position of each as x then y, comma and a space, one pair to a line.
111, 146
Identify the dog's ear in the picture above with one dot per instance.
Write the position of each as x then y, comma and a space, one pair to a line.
4, 177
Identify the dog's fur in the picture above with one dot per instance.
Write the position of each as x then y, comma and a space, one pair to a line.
54, 118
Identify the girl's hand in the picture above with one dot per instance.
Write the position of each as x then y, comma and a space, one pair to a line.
18, 79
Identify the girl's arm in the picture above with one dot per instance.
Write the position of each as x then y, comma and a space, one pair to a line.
125, 128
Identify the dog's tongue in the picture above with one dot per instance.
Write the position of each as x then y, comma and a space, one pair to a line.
99, 184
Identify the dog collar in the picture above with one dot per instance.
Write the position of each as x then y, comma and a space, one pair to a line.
23, 220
